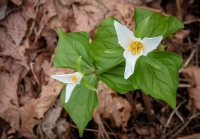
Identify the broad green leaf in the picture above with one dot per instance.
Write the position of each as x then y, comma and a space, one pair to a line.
81, 103
149, 60
141, 14
174, 24
70, 47
114, 78
159, 83
105, 39
153, 24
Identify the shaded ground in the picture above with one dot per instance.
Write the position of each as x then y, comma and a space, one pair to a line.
29, 98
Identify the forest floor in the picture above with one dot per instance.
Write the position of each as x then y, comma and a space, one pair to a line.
29, 99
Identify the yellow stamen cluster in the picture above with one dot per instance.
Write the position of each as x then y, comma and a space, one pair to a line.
74, 78
135, 47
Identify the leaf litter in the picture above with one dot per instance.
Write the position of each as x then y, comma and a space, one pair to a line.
29, 98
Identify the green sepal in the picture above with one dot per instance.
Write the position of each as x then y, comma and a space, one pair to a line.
118, 50
149, 60
88, 85
78, 64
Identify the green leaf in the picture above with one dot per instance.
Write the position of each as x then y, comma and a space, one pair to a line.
149, 60
174, 24
159, 83
70, 47
78, 64
105, 39
114, 79
81, 103
152, 24
88, 85
141, 14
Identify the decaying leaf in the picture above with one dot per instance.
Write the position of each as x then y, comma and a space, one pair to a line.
32, 113
9, 98
193, 73
113, 107
51, 121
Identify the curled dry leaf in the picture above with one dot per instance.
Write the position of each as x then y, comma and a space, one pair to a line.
49, 122
32, 113
193, 73
111, 106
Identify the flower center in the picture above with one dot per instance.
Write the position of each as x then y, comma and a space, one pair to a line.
74, 78
135, 47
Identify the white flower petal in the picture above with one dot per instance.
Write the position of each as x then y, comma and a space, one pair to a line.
150, 44
69, 89
124, 35
65, 78
79, 76
130, 62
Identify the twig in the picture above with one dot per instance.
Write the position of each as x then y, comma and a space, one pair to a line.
185, 85
147, 106
109, 128
34, 75
189, 119
171, 115
133, 105
94, 130
191, 21
188, 60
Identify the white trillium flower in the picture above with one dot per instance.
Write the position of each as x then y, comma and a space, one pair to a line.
134, 47
71, 79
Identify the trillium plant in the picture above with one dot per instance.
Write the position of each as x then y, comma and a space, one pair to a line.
124, 60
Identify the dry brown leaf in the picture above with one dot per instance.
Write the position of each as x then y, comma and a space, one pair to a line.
49, 122
111, 106
9, 98
193, 73
193, 136
32, 113
142, 130
17, 2
3, 7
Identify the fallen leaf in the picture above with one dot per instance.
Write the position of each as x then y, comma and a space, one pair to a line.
3, 7
32, 113
49, 122
193, 136
9, 98
113, 107
193, 73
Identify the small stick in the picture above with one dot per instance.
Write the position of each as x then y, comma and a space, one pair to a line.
94, 130
147, 106
133, 105
171, 115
